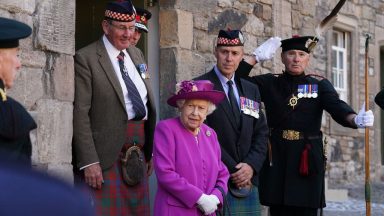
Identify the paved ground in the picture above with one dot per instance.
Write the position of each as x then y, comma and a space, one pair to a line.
355, 205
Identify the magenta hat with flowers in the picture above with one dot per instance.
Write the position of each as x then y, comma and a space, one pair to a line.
196, 89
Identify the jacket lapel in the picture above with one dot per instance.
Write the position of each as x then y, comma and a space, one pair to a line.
106, 64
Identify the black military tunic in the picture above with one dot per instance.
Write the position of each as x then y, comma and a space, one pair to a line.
379, 99
15, 125
295, 128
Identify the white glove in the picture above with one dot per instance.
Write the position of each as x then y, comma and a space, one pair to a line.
208, 204
215, 199
267, 49
364, 118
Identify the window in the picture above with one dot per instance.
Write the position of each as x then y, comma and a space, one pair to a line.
340, 51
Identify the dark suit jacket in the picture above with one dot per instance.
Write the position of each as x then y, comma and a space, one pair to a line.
247, 144
379, 99
99, 116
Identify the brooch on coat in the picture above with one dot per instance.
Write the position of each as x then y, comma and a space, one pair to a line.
250, 107
143, 70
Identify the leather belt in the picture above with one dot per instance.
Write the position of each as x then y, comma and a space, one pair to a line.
296, 135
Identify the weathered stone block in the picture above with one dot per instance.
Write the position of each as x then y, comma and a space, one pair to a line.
18, 6
307, 8
204, 43
227, 19
286, 14
297, 20
167, 3
55, 31
368, 12
168, 28
185, 29
54, 136
190, 65
254, 26
28, 86
262, 1
245, 7
63, 78
176, 29
224, 3
31, 57
200, 22
195, 6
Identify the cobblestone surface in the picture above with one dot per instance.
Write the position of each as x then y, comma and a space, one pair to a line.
355, 205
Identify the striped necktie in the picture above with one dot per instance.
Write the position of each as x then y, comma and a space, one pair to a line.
233, 102
133, 93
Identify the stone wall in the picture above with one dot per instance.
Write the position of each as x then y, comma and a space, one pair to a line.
45, 83
187, 37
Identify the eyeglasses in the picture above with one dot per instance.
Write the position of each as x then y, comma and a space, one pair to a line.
122, 27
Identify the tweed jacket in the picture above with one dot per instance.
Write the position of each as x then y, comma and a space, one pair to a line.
99, 116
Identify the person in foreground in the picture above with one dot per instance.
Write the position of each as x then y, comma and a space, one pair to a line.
292, 179
187, 157
15, 122
114, 118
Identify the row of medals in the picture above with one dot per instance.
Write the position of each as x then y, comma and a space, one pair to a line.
293, 100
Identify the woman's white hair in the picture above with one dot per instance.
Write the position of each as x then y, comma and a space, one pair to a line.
211, 106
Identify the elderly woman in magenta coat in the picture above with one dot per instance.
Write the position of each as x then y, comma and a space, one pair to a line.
187, 155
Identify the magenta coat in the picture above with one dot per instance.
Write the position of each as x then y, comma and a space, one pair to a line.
184, 169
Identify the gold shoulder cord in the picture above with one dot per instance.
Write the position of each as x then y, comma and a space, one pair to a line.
3, 94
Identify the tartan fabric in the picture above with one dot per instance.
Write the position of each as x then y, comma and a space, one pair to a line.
134, 134
116, 197
245, 206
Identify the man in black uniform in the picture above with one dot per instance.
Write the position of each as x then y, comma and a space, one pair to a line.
292, 179
15, 121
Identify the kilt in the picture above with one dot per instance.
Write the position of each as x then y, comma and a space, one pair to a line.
115, 196
249, 205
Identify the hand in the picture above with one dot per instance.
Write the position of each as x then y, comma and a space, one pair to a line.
149, 167
208, 204
93, 176
364, 118
242, 177
267, 50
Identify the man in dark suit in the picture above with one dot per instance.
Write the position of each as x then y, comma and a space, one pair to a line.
239, 123
15, 121
114, 113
